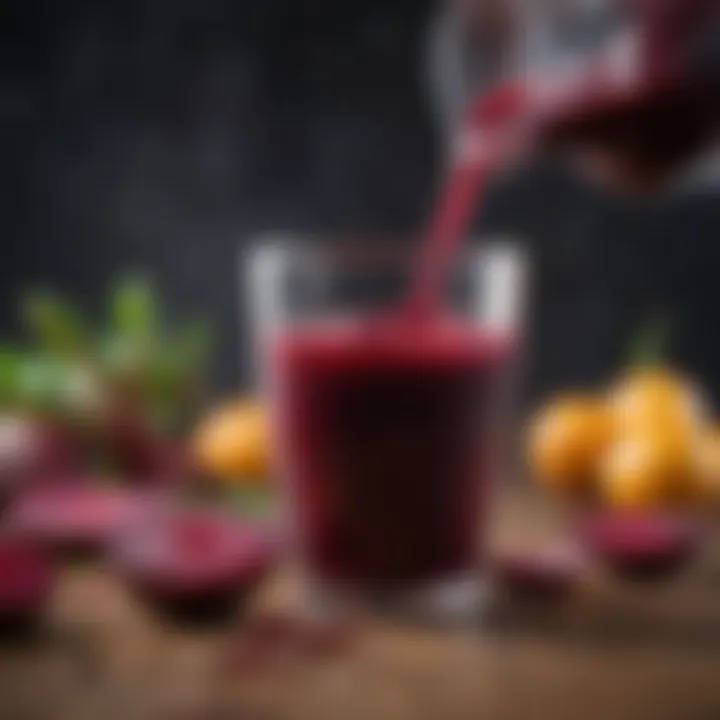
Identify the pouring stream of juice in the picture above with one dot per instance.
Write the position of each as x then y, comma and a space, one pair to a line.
491, 137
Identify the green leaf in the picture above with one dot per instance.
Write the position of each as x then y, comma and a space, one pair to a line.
55, 324
135, 309
651, 345
10, 362
120, 357
40, 382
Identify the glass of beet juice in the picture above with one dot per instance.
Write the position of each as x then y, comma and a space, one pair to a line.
386, 421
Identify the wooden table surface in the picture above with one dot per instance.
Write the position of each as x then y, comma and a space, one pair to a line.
612, 653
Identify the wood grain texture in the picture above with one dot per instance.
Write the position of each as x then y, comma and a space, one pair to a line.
612, 653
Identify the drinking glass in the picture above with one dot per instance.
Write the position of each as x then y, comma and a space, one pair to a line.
388, 431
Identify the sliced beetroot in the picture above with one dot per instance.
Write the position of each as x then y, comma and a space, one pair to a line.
194, 565
642, 546
76, 518
31, 449
26, 581
546, 575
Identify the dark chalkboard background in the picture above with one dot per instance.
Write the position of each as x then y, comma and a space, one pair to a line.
164, 134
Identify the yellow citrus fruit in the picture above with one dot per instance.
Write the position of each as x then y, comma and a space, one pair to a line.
647, 399
233, 442
648, 470
566, 441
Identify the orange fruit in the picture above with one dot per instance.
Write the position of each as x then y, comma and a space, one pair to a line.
647, 470
658, 418
566, 440
652, 398
233, 442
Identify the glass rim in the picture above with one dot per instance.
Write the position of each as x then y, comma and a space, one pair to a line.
500, 262
375, 248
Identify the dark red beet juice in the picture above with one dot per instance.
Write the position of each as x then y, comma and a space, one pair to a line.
385, 431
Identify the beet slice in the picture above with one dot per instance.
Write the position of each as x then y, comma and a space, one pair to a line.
26, 581
194, 566
547, 574
29, 450
642, 546
72, 520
